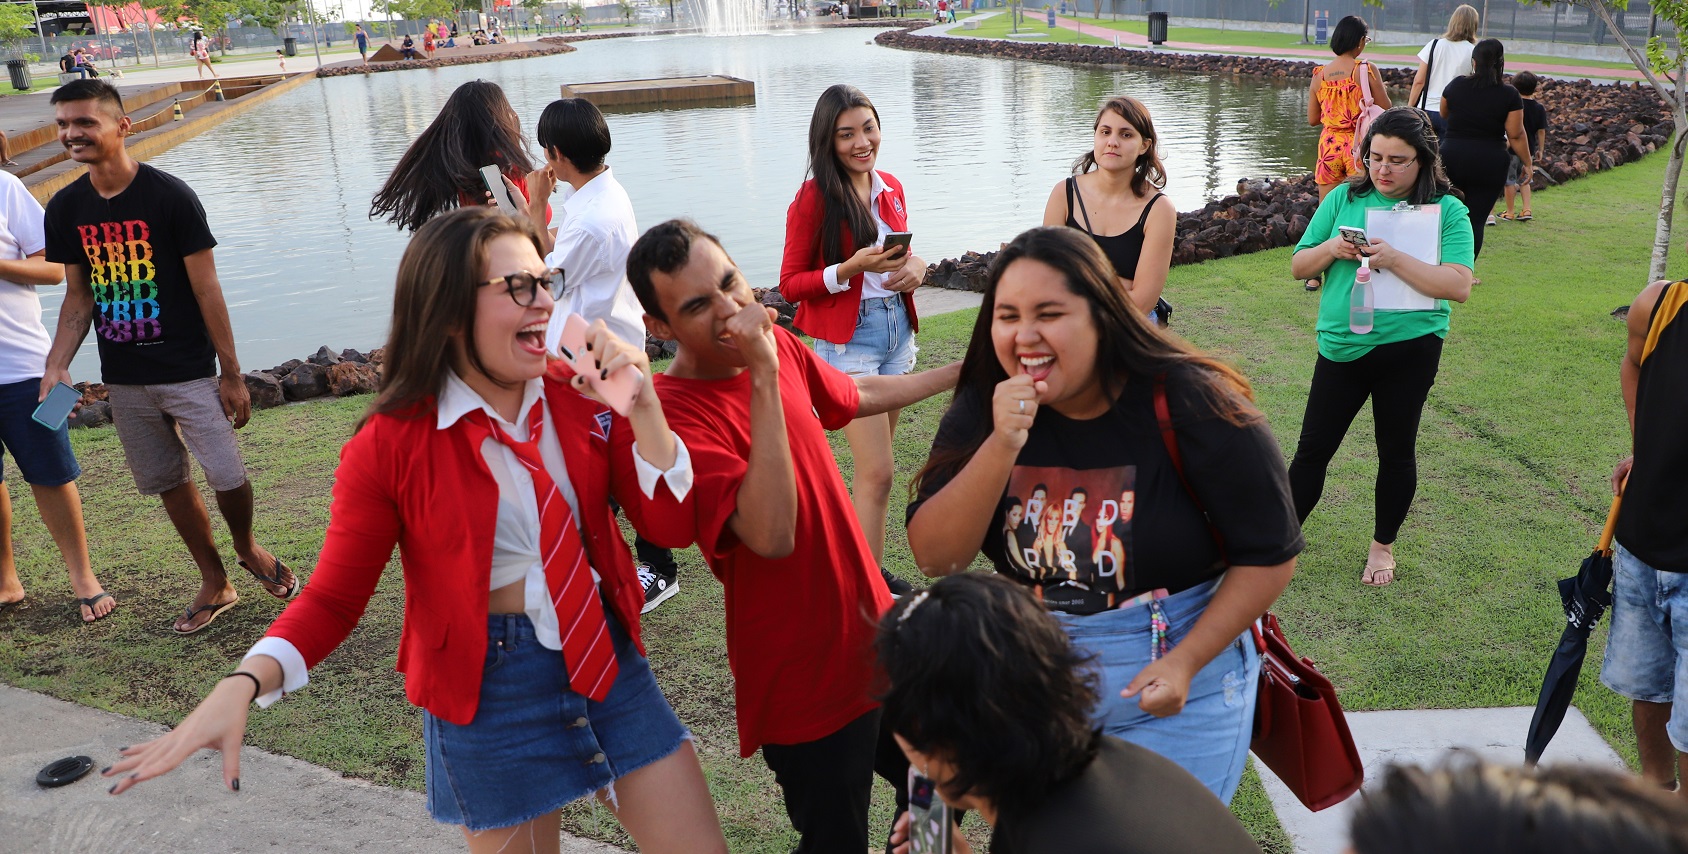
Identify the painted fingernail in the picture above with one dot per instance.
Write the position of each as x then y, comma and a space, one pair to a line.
106, 770
604, 374
236, 784
589, 345
123, 748
112, 790
135, 776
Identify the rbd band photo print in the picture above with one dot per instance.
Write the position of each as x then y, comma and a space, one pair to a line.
1070, 530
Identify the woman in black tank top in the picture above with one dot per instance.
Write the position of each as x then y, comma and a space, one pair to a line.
1121, 174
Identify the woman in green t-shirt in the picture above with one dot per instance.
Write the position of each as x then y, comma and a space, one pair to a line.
1393, 362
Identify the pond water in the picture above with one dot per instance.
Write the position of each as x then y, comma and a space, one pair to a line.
977, 143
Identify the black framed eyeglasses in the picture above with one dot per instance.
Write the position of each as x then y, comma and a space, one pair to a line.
523, 286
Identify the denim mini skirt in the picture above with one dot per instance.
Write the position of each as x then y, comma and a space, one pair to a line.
535, 745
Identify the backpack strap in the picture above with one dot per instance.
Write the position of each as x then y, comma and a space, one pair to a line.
1429, 67
1363, 70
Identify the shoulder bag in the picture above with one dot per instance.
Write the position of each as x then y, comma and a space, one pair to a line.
1429, 69
1299, 729
1369, 110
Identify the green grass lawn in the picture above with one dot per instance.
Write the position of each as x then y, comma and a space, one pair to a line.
1519, 435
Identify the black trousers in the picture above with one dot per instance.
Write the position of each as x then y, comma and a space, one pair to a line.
1397, 377
828, 783
659, 559
1478, 168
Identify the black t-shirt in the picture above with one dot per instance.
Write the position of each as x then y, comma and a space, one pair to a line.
1479, 112
1535, 119
1095, 508
1129, 800
148, 322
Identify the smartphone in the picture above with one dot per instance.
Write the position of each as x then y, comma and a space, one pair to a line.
53, 411
929, 823
899, 238
1356, 236
617, 390
494, 181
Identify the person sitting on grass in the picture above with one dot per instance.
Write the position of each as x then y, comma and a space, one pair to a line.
774, 523
1031, 762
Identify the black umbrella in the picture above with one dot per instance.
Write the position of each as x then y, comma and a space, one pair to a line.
1586, 595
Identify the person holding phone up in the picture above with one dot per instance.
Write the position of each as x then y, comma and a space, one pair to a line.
853, 289
42, 454
1394, 364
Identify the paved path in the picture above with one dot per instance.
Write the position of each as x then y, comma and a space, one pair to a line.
284, 805
1425, 738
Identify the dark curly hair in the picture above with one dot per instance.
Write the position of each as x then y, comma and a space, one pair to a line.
977, 672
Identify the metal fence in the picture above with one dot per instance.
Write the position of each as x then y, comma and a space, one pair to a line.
1503, 19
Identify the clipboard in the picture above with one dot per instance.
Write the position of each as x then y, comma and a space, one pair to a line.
1416, 231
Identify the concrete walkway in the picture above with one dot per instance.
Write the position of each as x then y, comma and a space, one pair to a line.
284, 805
1425, 738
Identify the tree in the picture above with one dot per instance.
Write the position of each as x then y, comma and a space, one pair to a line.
213, 15
1664, 66
627, 9
15, 21
535, 10
414, 10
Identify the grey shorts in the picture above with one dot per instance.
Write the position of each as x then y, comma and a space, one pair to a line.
152, 422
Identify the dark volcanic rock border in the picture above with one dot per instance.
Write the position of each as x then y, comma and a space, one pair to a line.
474, 59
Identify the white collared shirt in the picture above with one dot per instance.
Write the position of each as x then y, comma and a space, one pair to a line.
595, 235
515, 539
873, 284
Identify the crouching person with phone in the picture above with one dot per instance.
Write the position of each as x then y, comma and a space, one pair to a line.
1031, 762
40, 450
492, 470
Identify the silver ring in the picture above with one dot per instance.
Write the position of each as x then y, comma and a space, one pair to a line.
1022, 407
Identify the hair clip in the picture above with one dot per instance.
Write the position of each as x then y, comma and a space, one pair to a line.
913, 604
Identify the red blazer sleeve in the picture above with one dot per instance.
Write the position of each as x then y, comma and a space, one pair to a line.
363, 528
801, 269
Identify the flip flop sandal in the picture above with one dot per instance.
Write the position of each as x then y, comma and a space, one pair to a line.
89, 604
1370, 572
1506, 216
64, 772
1314, 284
216, 609
275, 578
1526, 216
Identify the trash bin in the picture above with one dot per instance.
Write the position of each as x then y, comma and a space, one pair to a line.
20, 74
290, 46
1050, 15
1157, 27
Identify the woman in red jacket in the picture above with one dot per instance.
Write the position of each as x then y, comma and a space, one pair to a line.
853, 295
492, 470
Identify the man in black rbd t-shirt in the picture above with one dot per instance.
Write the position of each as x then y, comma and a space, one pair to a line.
139, 270
1077, 537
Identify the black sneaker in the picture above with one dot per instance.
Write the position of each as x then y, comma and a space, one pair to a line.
898, 586
657, 588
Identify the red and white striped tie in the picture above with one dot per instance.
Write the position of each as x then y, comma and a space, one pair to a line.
587, 649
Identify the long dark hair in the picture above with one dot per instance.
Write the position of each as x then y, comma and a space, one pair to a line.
438, 283
1488, 62
1411, 127
1148, 170
840, 206
1127, 346
476, 127
974, 636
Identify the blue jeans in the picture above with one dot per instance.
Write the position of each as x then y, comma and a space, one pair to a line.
1210, 737
535, 745
882, 344
1647, 647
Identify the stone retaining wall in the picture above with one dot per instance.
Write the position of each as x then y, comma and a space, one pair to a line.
441, 62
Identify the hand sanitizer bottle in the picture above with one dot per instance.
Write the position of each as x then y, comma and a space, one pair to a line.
1360, 300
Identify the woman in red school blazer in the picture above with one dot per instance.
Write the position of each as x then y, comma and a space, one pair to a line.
853, 295
521, 620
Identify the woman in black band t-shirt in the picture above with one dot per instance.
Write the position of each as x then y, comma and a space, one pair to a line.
1114, 196
1057, 409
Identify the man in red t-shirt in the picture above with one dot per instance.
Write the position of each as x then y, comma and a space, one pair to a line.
775, 524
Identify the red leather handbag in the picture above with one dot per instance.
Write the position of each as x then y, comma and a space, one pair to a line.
1299, 730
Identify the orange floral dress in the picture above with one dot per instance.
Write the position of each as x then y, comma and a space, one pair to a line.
1339, 112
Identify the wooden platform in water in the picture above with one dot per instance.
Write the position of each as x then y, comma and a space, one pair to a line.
665, 91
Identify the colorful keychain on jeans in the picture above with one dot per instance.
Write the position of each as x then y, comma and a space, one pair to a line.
1158, 626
